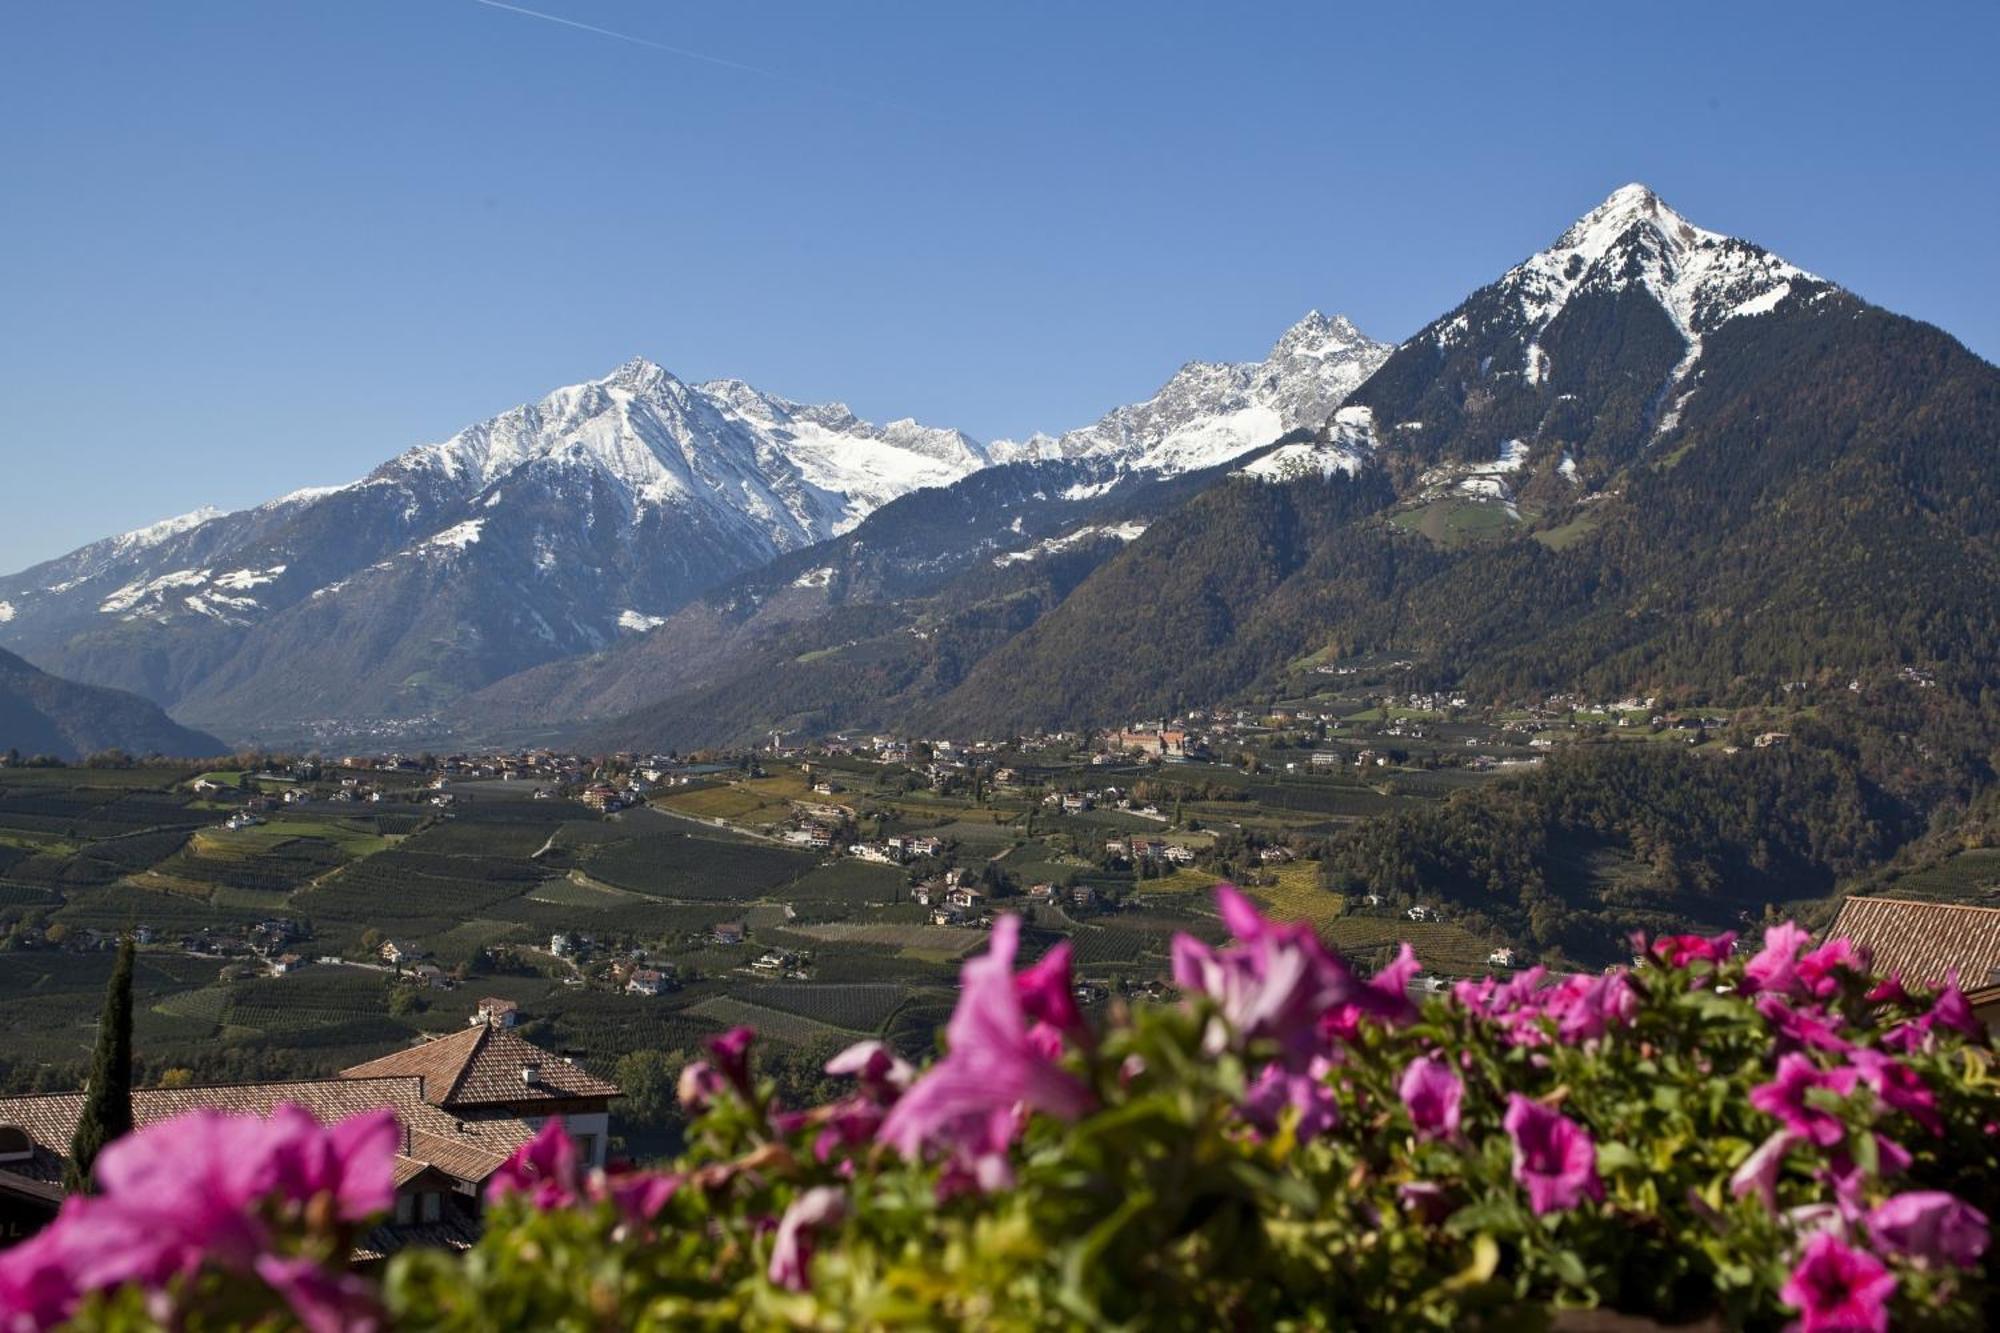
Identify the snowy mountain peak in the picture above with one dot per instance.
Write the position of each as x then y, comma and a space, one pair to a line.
1701, 279
1209, 413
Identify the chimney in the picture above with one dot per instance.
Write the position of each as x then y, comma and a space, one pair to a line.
531, 1073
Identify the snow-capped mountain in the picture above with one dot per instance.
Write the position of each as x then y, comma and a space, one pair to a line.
1209, 413
547, 530
1580, 357
1700, 279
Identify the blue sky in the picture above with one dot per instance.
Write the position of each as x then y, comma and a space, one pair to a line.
251, 245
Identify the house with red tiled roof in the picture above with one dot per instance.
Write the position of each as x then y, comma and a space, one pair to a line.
1929, 942
463, 1104
487, 1072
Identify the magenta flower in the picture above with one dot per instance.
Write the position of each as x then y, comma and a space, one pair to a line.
1555, 1159
1931, 1228
1838, 1289
324, 1302
1276, 1088
1048, 993
1585, 1008
352, 1162
1682, 950
791, 1253
1819, 971
1951, 1010
730, 1054
1274, 984
1759, 1173
1899, 1087
1384, 997
545, 1168
1431, 1094
966, 1101
1775, 968
1785, 1098
1800, 1029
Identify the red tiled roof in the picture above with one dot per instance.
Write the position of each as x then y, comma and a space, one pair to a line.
468, 1150
481, 1066
1924, 941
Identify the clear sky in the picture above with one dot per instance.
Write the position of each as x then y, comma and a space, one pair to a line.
252, 245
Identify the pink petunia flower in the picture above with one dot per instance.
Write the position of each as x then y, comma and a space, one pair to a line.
325, 1302
202, 1190
1785, 1098
1930, 1228
966, 1102
1800, 1029
1819, 971
1431, 1093
1759, 1173
1683, 950
1899, 1087
1048, 994
1838, 1289
545, 1168
1775, 968
1274, 984
1276, 1088
1555, 1159
791, 1253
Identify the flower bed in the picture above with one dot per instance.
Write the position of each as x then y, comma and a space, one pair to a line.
1779, 1140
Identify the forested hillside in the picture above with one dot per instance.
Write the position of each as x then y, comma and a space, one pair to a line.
44, 714
1607, 839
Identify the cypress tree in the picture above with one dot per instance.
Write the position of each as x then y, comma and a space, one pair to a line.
107, 1100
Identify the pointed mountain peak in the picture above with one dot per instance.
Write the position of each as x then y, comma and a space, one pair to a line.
639, 375
1320, 335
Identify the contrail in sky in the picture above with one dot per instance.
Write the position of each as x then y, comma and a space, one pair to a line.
672, 50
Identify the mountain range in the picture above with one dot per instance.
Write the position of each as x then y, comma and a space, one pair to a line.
564, 526
1650, 456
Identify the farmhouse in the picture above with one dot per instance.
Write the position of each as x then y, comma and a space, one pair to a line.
645, 981
462, 1104
495, 1012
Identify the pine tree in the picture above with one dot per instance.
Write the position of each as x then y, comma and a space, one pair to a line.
107, 1101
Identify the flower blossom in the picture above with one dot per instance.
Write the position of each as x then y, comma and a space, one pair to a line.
1838, 1289
1555, 1159
1275, 983
1276, 1088
1431, 1093
967, 1102
791, 1253
1776, 966
549, 1172
1759, 1172
1682, 950
1384, 997
1785, 1097
1931, 1228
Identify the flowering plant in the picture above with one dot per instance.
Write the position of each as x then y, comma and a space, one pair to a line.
1772, 1141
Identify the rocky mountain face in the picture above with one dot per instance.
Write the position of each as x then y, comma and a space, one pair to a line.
42, 714
550, 530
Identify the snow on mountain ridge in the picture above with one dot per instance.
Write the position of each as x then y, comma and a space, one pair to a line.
1210, 412
1701, 279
